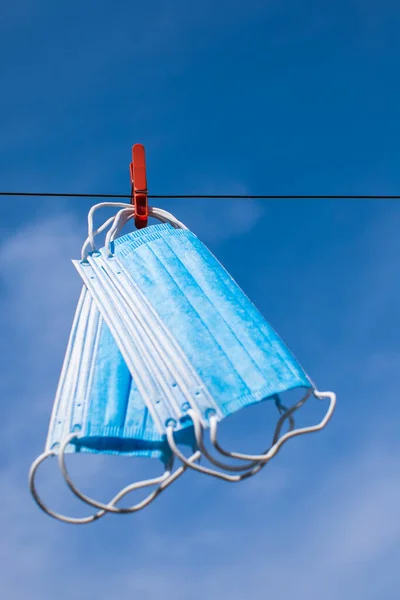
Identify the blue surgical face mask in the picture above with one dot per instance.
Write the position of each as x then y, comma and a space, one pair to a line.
183, 348
185, 327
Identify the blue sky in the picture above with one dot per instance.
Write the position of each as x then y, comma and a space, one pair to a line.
262, 97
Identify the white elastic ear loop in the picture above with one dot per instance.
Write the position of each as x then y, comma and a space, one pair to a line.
87, 245
198, 429
286, 415
90, 519
55, 515
277, 443
124, 215
107, 507
189, 461
94, 209
261, 459
166, 217
121, 218
229, 467
119, 221
157, 213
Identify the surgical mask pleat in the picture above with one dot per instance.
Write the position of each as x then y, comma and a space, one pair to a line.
255, 336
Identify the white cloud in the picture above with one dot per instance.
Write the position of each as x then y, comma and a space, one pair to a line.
40, 291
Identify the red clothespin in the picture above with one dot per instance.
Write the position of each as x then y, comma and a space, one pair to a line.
139, 186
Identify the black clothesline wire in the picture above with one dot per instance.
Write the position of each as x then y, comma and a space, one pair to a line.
211, 196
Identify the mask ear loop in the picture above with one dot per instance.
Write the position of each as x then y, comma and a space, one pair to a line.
121, 218
285, 415
89, 245
248, 465
126, 214
93, 210
55, 515
278, 442
106, 507
166, 217
163, 480
262, 458
199, 431
189, 461
158, 213
166, 481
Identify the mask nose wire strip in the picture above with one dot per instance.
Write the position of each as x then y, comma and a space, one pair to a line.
109, 507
